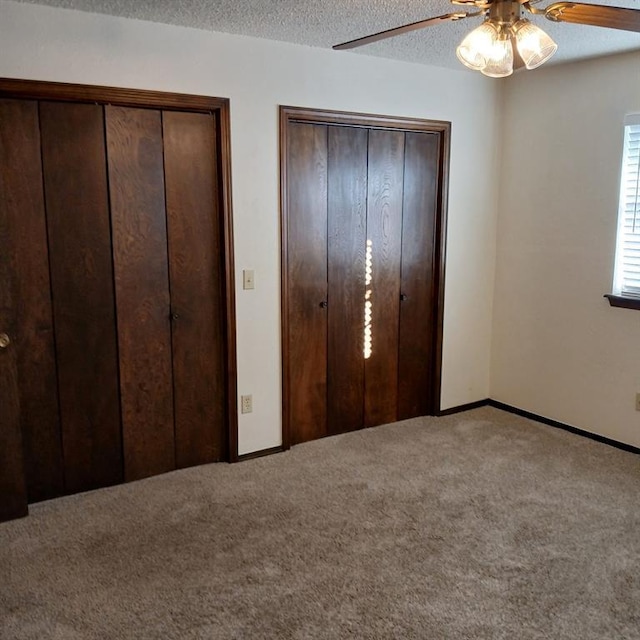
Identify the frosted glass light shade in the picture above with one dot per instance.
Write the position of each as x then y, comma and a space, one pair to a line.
474, 48
534, 45
499, 59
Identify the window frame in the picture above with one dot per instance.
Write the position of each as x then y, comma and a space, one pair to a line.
618, 297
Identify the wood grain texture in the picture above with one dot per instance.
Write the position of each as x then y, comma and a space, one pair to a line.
307, 281
285, 214
24, 244
223, 122
13, 486
367, 120
625, 18
195, 266
291, 117
384, 230
220, 108
77, 201
397, 31
440, 264
136, 184
417, 311
347, 229
67, 92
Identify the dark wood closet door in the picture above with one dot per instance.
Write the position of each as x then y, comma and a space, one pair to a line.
13, 488
74, 165
417, 316
307, 281
138, 218
384, 232
347, 228
374, 185
195, 249
23, 244
112, 203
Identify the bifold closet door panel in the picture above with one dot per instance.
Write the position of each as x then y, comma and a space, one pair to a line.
418, 264
195, 252
23, 242
384, 232
77, 202
347, 228
13, 486
138, 218
307, 281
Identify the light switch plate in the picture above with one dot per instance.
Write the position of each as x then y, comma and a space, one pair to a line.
248, 279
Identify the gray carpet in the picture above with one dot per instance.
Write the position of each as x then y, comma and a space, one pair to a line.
478, 525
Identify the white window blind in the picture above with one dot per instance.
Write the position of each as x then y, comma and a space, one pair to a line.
627, 270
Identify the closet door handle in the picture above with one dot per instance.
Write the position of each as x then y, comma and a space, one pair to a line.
403, 297
324, 304
175, 316
5, 340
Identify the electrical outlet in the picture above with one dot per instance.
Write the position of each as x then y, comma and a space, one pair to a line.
246, 403
248, 279
637, 401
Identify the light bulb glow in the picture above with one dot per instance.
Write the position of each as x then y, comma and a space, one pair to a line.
499, 58
473, 49
534, 45
490, 47
368, 305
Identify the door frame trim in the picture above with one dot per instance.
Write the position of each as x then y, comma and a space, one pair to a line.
290, 115
220, 108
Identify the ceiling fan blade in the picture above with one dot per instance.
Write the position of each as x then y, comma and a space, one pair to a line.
390, 33
594, 14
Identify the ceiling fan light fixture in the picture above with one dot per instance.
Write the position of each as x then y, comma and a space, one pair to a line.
534, 45
490, 48
473, 50
499, 58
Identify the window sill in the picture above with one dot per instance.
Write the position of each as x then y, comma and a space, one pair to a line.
623, 302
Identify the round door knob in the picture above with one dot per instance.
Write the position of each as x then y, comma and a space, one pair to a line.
5, 340
175, 316
403, 296
324, 304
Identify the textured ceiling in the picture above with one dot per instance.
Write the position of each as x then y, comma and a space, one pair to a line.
323, 23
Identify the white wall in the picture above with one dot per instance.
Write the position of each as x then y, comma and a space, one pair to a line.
559, 350
44, 43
